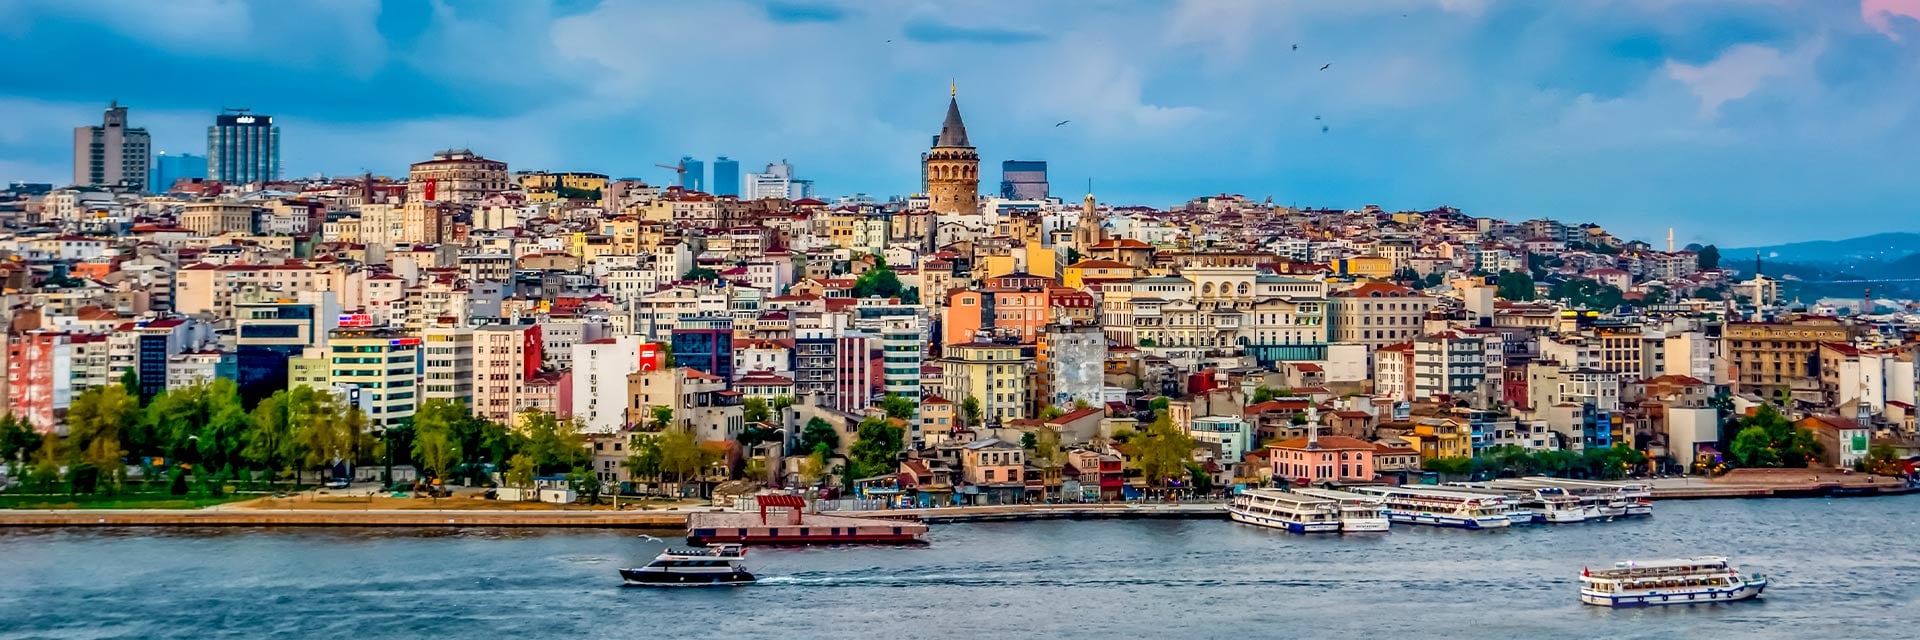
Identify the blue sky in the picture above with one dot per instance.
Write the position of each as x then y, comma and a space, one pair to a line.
1738, 122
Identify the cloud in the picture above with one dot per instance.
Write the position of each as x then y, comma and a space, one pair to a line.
936, 32
1738, 72
1880, 14
799, 12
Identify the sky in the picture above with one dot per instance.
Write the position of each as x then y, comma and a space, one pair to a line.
1737, 122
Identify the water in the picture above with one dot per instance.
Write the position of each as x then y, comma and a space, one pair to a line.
1841, 568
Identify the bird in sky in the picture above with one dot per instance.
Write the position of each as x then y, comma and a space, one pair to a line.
1296, 47
1057, 124
1324, 66
649, 538
1324, 129
1316, 117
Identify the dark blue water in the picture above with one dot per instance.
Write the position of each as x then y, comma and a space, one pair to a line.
1841, 569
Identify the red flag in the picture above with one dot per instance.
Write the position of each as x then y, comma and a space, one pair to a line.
1584, 573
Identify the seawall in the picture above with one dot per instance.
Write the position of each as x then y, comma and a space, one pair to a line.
652, 520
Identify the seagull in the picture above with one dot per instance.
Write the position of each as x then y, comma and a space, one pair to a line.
1323, 128
649, 538
1316, 117
1056, 124
1296, 47
1324, 66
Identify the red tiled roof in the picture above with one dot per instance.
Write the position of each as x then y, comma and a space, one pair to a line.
1326, 442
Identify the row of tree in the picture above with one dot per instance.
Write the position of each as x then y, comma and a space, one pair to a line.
1513, 461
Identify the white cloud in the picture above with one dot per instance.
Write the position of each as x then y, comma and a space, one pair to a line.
1739, 71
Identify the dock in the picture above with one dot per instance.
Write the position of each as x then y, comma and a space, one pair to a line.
1013, 513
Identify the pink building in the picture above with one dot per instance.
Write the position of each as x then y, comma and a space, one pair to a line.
1325, 459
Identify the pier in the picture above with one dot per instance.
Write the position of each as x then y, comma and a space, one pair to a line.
419, 518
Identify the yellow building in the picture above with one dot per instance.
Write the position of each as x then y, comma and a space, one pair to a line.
993, 374
1075, 275
1441, 438
1364, 266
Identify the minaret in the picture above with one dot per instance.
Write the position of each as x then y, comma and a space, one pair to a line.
952, 166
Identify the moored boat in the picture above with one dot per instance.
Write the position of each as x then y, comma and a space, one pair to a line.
1702, 579
1441, 508
1358, 513
1285, 510
715, 566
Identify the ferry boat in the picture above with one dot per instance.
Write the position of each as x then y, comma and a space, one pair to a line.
1497, 501
714, 566
1441, 508
1605, 498
1283, 510
1546, 504
1662, 582
1358, 513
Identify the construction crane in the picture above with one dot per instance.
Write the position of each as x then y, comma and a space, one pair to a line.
679, 172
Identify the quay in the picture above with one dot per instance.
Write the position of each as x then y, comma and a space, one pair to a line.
1019, 512
419, 518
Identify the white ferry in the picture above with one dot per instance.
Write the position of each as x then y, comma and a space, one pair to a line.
1440, 508
1358, 513
1546, 503
1605, 498
1283, 510
1497, 501
1662, 582
714, 566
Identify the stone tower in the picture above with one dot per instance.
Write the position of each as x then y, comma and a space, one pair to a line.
1088, 232
952, 166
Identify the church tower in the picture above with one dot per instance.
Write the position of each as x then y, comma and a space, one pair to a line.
952, 166
1088, 232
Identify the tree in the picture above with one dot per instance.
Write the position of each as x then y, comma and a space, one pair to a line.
1709, 257
1657, 295
878, 281
555, 445
1046, 446
699, 274
1028, 441
1264, 394
662, 417
435, 444
521, 470
1453, 466
898, 407
270, 437
970, 411
755, 410
644, 458
1162, 452
1051, 412
1883, 460
329, 431
95, 421
1767, 439
18, 440
813, 468
818, 434
680, 454
1160, 404
780, 403
1514, 285
877, 449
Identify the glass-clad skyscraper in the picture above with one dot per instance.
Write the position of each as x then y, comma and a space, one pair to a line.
243, 147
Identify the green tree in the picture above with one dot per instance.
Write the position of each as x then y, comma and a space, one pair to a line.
780, 403
899, 407
1657, 295
436, 444
1709, 257
130, 381
877, 281
662, 417
1162, 452
644, 458
1051, 412
521, 470
1046, 446
18, 440
755, 410
1028, 441
555, 445
876, 450
95, 421
700, 274
970, 411
1514, 285
818, 434
1768, 439
813, 468
1160, 404
1882, 459
680, 454
1453, 466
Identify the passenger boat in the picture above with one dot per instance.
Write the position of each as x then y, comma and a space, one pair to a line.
1283, 510
1661, 582
1358, 513
1546, 504
1607, 499
1498, 501
1441, 508
714, 566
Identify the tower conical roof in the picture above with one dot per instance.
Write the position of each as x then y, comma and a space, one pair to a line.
953, 132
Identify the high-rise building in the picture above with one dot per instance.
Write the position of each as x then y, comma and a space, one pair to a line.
505, 358
953, 167
704, 343
776, 182
376, 369
1023, 179
726, 177
903, 346
171, 167
111, 154
273, 327
243, 147
693, 174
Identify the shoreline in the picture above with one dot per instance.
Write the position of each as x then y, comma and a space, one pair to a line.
677, 520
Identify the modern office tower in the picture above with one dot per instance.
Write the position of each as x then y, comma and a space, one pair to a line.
243, 147
694, 176
111, 154
171, 167
1023, 179
726, 177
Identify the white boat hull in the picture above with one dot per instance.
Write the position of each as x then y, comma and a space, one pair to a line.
1285, 525
1458, 522
1365, 525
1745, 591
1562, 516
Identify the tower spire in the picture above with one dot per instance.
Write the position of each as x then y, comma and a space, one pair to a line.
953, 88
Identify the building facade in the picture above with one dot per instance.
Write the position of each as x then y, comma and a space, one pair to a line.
953, 167
243, 147
112, 154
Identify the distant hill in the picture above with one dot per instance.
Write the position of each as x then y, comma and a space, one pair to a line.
1879, 247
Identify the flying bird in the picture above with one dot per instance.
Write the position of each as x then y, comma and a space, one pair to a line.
649, 538
1296, 47
1324, 66
1316, 117
1057, 124
1323, 128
